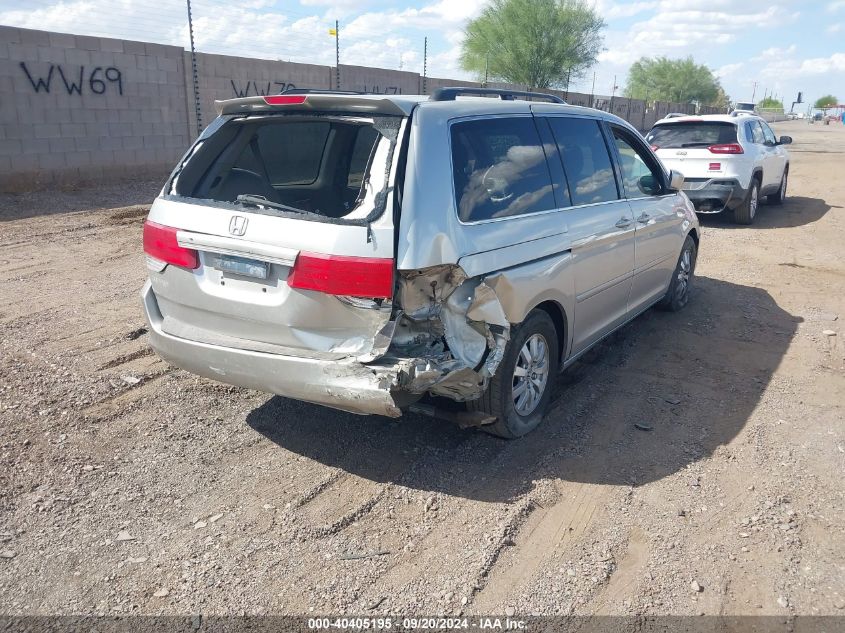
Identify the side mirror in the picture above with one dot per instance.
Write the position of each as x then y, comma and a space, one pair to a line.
785, 140
676, 180
650, 185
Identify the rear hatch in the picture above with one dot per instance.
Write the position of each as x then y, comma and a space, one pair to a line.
694, 147
276, 231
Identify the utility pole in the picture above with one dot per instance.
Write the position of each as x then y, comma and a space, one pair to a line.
337, 53
593, 90
197, 108
425, 67
754, 93
486, 68
614, 87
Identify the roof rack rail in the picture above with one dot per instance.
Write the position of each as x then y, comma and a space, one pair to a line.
319, 91
450, 94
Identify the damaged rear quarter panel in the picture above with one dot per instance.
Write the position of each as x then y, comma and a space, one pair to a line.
452, 331
450, 334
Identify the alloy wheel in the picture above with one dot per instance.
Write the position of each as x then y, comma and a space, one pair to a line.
684, 274
530, 375
753, 202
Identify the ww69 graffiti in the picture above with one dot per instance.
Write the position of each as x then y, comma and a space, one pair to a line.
97, 81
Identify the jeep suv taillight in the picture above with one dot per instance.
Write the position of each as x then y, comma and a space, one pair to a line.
369, 277
727, 148
160, 243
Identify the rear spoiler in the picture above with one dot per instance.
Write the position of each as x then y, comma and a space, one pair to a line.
320, 102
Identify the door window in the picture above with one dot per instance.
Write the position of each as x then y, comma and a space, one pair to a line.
585, 160
640, 176
499, 168
770, 136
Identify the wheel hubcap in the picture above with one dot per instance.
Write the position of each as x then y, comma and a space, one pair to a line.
783, 188
752, 206
684, 274
530, 374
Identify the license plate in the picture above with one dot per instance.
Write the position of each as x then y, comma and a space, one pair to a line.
243, 266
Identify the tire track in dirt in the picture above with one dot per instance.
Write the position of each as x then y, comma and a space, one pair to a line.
546, 533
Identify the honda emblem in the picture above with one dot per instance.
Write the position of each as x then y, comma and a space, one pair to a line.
237, 225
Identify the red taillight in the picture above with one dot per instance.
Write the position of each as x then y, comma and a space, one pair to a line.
729, 148
285, 99
715, 166
654, 148
368, 277
160, 243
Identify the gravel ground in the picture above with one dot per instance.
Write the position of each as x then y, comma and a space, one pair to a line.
129, 487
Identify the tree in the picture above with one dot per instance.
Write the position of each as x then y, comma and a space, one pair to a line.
770, 103
678, 80
827, 101
537, 43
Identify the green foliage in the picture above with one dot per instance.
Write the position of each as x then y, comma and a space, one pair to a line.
678, 80
826, 101
537, 43
772, 104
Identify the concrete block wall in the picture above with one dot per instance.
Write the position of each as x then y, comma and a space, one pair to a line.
76, 108
227, 77
378, 80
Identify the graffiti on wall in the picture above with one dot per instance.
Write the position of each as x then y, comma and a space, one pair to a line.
94, 81
253, 88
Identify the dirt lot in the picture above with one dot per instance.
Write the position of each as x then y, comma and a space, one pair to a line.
129, 487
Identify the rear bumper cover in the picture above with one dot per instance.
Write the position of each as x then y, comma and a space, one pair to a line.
716, 195
341, 384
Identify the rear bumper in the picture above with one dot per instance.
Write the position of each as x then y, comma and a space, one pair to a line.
341, 384
716, 195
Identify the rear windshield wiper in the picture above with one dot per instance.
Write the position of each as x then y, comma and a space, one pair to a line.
261, 201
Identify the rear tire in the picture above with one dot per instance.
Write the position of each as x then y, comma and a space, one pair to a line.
678, 294
519, 392
780, 196
745, 213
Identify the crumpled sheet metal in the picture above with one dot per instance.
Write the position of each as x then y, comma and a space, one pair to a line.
475, 328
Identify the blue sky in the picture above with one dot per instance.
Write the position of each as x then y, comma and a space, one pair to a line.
783, 46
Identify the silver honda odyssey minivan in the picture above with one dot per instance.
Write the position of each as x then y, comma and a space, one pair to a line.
363, 252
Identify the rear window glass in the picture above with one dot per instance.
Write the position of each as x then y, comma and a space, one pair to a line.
693, 134
331, 166
500, 169
585, 160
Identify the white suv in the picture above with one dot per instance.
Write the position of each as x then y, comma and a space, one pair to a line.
728, 162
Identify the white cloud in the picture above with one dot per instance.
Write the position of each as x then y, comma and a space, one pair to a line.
775, 53
728, 69
834, 28
835, 6
613, 10
787, 68
683, 27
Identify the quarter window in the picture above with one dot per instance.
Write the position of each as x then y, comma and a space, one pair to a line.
500, 169
585, 160
755, 132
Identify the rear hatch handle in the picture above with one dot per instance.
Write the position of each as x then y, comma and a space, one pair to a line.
232, 246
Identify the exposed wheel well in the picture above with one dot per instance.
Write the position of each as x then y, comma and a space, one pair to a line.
558, 317
695, 237
758, 175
